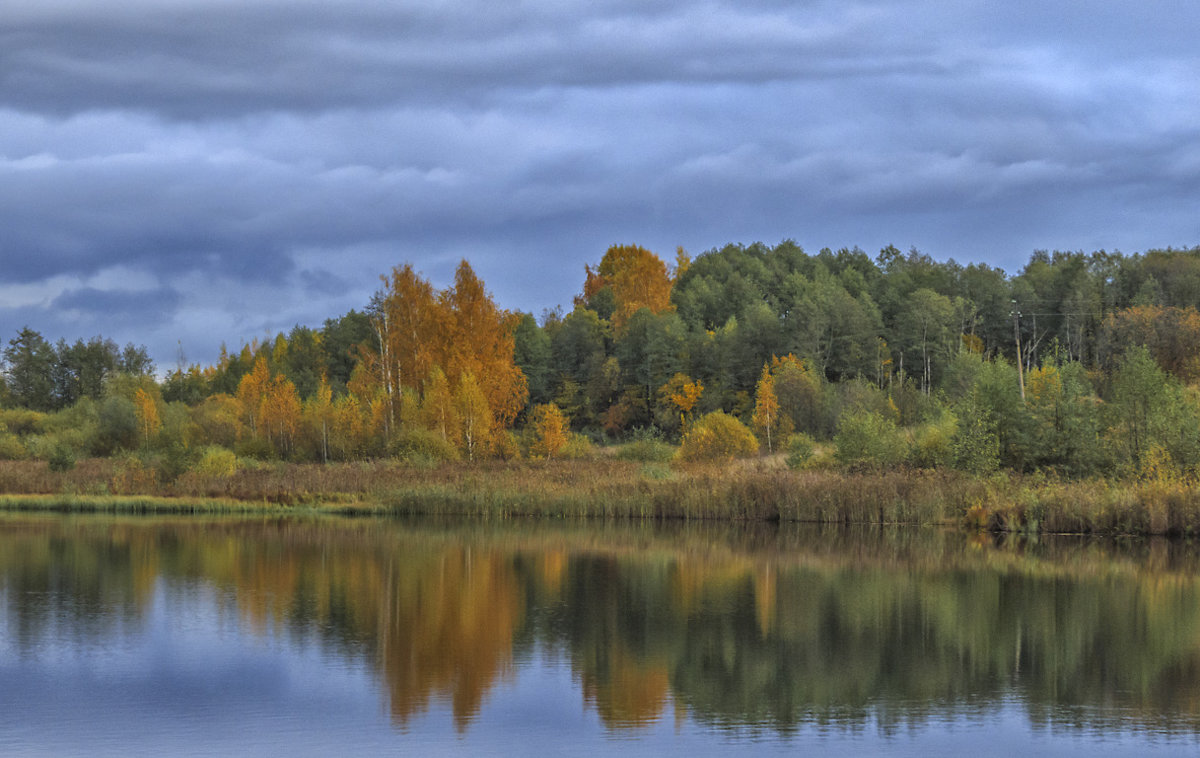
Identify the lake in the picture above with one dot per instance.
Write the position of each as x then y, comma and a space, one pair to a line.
322, 636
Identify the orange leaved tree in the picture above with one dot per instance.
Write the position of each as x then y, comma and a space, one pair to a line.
635, 277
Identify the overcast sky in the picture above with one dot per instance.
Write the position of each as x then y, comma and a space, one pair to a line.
197, 171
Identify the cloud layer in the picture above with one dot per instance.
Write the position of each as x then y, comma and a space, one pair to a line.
182, 172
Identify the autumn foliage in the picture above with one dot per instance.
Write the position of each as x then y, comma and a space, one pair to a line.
636, 279
454, 343
549, 428
717, 436
1172, 335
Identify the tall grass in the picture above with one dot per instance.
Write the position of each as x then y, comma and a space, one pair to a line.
751, 490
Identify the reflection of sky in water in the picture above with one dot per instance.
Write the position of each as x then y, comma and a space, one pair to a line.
192, 679
184, 670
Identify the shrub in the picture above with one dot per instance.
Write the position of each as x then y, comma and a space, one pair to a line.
975, 446
422, 447
717, 436
175, 461
933, 443
505, 446
866, 439
578, 448
254, 447
61, 457
11, 448
799, 450
216, 463
132, 476
118, 426
20, 421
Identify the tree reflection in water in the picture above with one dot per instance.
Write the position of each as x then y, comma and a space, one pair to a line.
742, 629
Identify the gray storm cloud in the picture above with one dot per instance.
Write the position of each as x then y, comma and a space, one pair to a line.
259, 163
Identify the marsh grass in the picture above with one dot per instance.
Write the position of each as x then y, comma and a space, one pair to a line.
758, 489
137, 504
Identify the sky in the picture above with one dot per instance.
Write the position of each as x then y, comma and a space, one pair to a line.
182, 173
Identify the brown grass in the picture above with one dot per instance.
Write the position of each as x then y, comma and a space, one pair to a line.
750, 490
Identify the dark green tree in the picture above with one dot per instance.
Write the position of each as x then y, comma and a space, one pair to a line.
342, 340
531, 353
29, 369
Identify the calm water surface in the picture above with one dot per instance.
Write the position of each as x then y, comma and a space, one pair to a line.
357, 637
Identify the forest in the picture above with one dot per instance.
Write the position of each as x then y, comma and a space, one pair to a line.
1080, 365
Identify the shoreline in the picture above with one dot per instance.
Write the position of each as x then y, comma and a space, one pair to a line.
756, 490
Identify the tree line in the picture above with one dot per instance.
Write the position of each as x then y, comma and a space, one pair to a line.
1080, 363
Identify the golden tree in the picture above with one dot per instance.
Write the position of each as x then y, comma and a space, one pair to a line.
347, 427
766, 405
549, 427
147, 414
637, 279
478, 340
318, 416
408, 321
280, 412
683, 393
459, 329
475, 416
438, 408
251, 391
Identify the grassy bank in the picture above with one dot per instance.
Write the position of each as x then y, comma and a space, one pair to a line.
754, 490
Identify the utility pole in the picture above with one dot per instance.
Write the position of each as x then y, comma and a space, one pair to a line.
1016, 314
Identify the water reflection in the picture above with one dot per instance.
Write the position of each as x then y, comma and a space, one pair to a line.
744, 630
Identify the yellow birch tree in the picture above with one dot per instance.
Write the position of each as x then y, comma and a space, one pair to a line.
149, 422
766, 405
251, 391
549, 427
475, 415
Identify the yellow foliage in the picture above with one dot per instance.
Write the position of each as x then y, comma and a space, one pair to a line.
438, 413
549, 427
683, 393
1043, 384
280, 411
251, 391
217, 463
717, 436
766, 405
149, 422
459, 329
638, 279
1157, 465
475, 416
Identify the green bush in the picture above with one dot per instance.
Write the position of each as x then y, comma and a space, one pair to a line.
799, 450
118, 426
256, 448
11, 448
216, 463
61, 457
933, 443
976, 445
176, 460
868, 440
422, 447
21, 421
717, 436
578, 448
